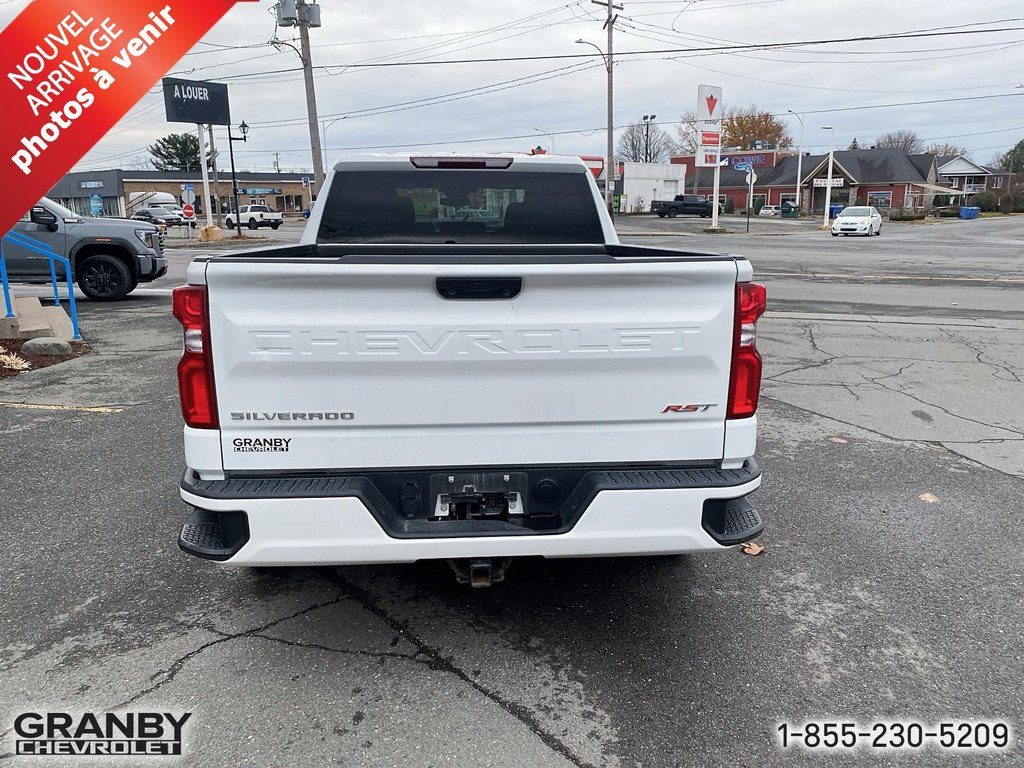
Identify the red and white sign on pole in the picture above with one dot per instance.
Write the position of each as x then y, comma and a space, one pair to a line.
188, 211
709, 125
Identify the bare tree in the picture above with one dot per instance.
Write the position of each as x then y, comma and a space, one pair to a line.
947, 150
903, 139
643, 143
685, 141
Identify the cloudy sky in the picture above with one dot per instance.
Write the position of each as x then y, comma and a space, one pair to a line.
968, 82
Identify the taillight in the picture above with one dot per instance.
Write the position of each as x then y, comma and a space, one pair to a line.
195, 369
745, 377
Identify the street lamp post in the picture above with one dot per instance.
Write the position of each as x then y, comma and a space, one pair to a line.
550, 136
609, 171
234, 180
828, 183
325, 124
799, 160
648, 119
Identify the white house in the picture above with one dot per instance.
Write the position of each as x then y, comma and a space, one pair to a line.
970, 177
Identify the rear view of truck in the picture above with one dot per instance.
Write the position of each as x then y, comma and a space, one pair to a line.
461, 362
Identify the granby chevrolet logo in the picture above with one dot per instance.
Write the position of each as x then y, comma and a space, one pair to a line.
91, 734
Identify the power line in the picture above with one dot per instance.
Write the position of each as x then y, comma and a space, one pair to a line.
447, 97
653, 52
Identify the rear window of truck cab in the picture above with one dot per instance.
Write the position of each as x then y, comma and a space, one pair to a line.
431, 206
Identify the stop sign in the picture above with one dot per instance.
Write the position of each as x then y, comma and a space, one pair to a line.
189, 210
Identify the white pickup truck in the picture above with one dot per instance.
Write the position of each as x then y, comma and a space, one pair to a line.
405, 386
254, 217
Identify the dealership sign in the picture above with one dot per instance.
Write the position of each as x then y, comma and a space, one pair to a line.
835, 182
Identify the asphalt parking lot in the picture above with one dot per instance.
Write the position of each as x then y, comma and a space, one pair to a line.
890, 589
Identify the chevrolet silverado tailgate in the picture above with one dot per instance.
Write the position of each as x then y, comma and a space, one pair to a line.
361, 363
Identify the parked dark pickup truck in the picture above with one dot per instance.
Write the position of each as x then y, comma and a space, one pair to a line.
695, 205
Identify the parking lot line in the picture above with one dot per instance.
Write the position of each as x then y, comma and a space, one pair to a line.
77, 408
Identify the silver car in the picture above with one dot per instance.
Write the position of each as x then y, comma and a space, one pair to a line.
857, 220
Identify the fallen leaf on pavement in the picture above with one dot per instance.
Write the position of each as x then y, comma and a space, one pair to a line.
931, 498
751, 548
839, 440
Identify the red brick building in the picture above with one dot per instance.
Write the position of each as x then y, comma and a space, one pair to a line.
884, 178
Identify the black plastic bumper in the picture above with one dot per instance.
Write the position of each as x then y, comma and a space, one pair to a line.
401, 500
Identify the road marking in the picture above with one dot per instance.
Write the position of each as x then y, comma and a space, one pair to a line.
855, 276
78, 408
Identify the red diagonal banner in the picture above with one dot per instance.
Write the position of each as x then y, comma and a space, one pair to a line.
70, 69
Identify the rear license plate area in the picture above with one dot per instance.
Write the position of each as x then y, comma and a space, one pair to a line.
478, 495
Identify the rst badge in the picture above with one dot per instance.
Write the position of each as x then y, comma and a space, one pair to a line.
689, 408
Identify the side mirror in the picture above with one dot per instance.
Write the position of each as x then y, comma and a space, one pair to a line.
40, 215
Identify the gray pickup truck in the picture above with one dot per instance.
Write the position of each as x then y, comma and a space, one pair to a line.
109, 257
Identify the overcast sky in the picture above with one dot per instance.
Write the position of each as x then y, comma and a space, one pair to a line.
566, 97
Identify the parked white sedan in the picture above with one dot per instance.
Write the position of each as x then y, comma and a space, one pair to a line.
857, 220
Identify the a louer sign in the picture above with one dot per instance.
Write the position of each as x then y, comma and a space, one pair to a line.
196, 101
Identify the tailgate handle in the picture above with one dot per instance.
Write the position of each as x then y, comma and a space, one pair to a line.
461, 288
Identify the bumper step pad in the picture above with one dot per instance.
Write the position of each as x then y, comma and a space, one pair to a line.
214, 535
731, 521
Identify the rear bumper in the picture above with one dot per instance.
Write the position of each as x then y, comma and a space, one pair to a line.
337, 521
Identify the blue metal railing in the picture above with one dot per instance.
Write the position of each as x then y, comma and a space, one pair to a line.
42, 249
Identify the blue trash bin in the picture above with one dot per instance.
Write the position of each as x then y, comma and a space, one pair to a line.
834, 209
975, 212
965, 212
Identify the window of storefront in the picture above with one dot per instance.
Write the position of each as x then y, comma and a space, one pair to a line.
880, 200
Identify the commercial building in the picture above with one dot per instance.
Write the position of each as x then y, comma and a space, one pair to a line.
118, 191
882, 177
644, 182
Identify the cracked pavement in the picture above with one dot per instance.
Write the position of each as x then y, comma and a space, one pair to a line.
891, 586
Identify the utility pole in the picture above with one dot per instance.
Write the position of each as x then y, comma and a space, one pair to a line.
609, 174
216, 185
307, 73
609, 183
304, 14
